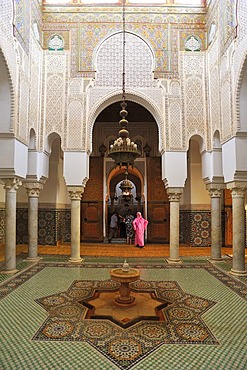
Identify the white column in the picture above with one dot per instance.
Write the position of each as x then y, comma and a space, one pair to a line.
216, 235
33, 189
75, 193
174, 195
238, 190
10, 186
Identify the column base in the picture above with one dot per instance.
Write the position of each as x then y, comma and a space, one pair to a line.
9, 272
76, 260
33, 259
174, 261
212, 259
238, 273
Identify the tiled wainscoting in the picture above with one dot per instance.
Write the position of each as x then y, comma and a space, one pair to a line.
54, 226
195, 228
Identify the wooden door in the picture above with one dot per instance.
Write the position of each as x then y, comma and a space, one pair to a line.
158, 215
91, 216
227, 219
157, 203
92, 203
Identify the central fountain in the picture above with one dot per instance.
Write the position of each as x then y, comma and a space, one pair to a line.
125, 276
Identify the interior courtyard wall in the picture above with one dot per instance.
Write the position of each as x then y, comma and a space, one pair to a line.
189, 115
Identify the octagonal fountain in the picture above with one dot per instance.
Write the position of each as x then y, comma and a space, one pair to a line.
125, 276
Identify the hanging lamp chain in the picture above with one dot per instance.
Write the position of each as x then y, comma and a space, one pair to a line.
124, 50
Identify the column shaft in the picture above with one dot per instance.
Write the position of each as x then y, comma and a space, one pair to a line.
32, 228
75, 230
33, 190
215, 228
174, 231
215, 191
238, 225
75, 196
10, 185
174, 195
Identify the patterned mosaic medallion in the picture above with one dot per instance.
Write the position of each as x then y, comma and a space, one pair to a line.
178, 320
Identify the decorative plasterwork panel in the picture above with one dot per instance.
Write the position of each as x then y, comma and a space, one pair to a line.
133, 14
65, 34
22, 22
55, 93
35, 85
54, 104
75, 125
75, 87
7, 39
89, 26
242, 20
90, 37
228, 22
199, 34
214, 99
213, 54
22, 126
193, 69
131, 95
175, 124
240, 55
139, 62
226, 108
194, 106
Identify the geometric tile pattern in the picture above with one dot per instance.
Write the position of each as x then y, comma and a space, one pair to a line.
195, 228
182, 322
237, 286
21, 316
54, 226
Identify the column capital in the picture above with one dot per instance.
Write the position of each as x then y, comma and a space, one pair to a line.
215, 192
237, 184
174, 194
75, 192
238, 188
11, 184
33, 188
215, 185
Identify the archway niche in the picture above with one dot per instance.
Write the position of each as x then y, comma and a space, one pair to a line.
146, 175
243, 100
5, 96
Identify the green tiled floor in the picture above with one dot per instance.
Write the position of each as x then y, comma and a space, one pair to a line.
21, 317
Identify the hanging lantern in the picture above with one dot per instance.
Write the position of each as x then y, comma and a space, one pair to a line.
123, 151
126, 187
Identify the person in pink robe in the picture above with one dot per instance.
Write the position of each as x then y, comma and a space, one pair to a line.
139, 225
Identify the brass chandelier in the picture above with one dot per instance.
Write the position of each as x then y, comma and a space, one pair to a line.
123, 151
126, 187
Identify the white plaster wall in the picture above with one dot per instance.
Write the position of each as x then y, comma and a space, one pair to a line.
212, 165
13, 156
62, 193
195, 192
38, 164
229, 160
55, 191
174, 168
76, 168
199, 194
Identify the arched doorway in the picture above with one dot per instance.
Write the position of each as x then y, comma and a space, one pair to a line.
146, 176
121, 204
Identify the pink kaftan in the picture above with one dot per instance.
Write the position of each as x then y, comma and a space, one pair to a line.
139, 225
